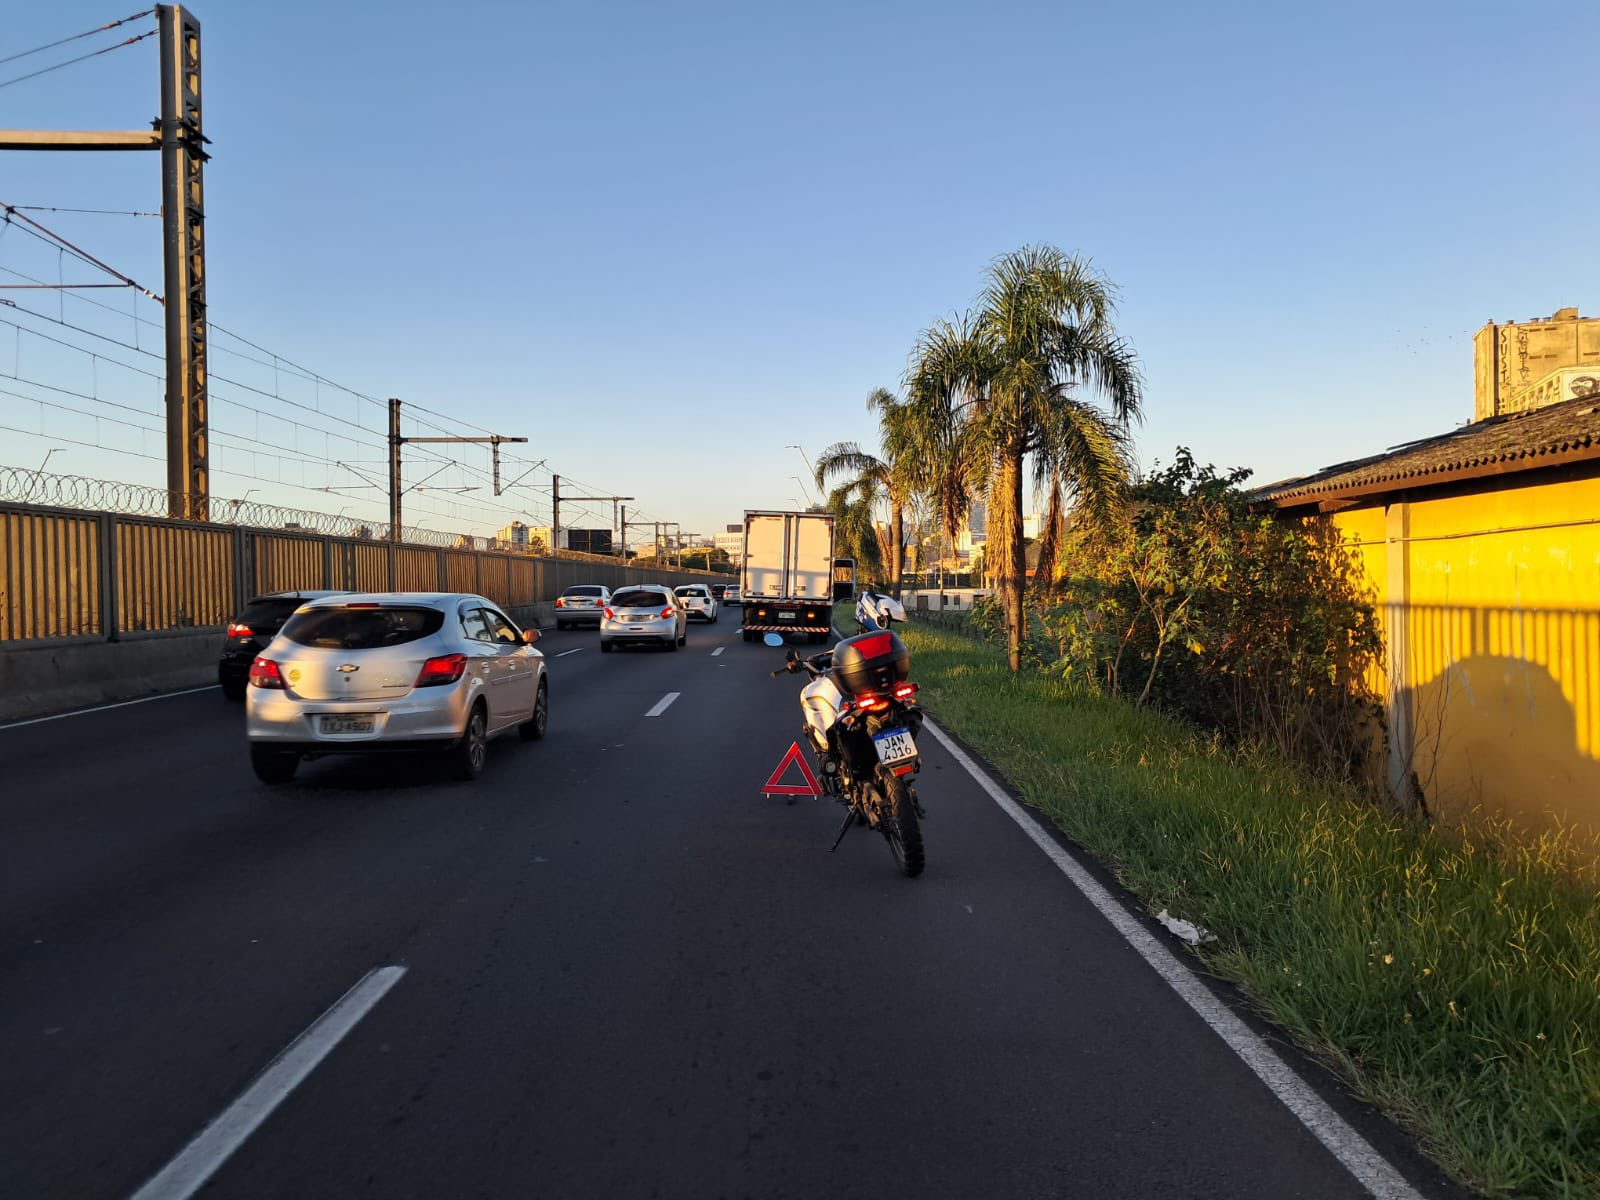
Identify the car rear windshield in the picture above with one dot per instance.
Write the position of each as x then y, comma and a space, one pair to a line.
584, 590
362, 628
691, 591
268, 612
637, 598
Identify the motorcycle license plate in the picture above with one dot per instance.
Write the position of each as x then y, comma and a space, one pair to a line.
894, 745
358, 723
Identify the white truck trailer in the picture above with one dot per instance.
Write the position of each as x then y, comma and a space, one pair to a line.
787, 580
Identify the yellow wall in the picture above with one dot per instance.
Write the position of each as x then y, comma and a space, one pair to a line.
1491, 609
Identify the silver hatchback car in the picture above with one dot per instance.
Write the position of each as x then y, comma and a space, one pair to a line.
645, 614
358, 674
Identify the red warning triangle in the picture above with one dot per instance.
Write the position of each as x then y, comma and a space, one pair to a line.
809, 788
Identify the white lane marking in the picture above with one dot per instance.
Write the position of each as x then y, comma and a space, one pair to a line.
187, 1173
78, 712
1353, 1151
662, 704
718, 651
564, 653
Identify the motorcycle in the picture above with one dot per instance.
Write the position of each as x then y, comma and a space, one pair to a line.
862, 722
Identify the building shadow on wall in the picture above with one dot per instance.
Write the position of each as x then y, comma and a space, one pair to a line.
1498, 732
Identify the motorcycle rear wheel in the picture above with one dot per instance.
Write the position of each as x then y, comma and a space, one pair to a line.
901, 829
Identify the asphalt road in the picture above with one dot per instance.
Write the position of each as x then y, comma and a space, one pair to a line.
627, 973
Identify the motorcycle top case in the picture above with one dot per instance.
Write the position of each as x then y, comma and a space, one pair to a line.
871, 662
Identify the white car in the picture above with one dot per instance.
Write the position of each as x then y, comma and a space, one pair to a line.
698, 601
647, 614
581, 604
366, 674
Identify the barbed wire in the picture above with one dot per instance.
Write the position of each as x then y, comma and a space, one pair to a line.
24, 486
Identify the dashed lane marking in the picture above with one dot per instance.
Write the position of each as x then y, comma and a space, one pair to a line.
574, 650
718, 651
663, 704
201, 1158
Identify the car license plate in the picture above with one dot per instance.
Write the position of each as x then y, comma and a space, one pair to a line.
788, 616
894, 745
354, 723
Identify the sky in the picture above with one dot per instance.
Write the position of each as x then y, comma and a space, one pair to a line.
668, 243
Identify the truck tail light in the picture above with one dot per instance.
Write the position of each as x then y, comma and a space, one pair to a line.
264, 673
437, 672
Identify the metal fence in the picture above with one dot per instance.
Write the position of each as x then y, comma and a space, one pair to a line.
67, 574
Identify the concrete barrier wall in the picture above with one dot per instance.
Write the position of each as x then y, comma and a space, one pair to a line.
55, 677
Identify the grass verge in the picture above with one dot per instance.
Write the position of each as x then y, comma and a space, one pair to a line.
1451, 975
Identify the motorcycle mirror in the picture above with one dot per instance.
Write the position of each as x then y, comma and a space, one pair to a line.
792, 656
773, 639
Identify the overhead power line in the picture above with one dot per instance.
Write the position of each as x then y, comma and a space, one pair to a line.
143, 12
103, 212
81, 58
56, 239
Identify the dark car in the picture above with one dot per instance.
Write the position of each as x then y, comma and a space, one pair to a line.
249, 632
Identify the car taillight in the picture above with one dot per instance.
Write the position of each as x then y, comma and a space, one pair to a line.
904, 691
240, 631
561, 602
436, 672
264, 673
610, 614
871, 703
668, 612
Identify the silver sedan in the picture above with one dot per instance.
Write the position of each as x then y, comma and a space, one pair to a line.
359, 674
644, 615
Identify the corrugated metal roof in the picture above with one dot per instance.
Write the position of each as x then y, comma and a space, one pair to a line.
1561, 433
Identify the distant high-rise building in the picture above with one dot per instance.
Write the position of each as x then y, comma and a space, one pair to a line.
1523, 365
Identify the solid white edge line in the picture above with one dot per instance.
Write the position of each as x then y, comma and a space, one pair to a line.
718, 651
574, 650
1355, 1154
199, 1160
662, 704
79, 712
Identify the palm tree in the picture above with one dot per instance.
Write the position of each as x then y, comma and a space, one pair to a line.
888, 478
1003, 382
855, 533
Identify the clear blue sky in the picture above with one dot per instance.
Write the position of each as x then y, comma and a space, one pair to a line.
664, 242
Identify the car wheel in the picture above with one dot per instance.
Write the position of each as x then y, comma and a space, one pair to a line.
232, 690
471, 751
683, 638
533, 728
748, 636
606, 647
273, 766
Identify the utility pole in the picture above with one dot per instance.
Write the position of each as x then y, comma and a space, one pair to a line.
623, 545
555, 512
396, 488
176, 133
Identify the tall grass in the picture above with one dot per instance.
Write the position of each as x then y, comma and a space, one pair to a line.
1451, 975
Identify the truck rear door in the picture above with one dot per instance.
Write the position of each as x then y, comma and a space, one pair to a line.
763, 554
811, 557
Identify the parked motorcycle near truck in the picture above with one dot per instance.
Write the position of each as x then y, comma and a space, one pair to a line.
862, 721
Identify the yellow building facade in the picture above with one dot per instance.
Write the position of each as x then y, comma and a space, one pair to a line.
1482, 551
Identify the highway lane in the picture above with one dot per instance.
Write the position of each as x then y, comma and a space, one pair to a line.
627, 973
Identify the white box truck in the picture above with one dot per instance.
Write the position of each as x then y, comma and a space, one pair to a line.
787, 581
